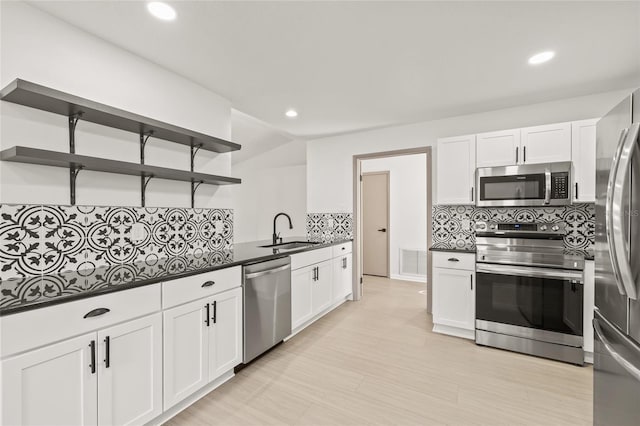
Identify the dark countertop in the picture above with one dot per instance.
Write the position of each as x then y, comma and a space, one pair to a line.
22, 294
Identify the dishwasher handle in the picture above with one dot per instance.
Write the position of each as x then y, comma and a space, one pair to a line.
267, 272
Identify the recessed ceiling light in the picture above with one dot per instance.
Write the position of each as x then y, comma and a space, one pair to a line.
292, 113
541, 57
161, 10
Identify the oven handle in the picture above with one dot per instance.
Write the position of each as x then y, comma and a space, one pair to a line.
528, 271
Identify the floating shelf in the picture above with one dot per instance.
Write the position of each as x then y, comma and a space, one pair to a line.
44, 98
21, 154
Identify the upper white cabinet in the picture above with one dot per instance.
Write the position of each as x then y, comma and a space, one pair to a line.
456, 168
546, 144
497, 149
583, 150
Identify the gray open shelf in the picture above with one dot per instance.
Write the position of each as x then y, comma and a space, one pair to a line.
45, 157
44, 98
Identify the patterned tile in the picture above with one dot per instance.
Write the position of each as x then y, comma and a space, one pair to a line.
327, 227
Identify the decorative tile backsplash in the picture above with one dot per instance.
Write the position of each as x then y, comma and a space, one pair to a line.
44, 239
327, 227
453, 226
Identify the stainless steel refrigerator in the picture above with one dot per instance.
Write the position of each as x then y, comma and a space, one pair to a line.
617, 256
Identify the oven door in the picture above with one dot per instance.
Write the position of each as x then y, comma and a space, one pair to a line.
545, 299
510, 190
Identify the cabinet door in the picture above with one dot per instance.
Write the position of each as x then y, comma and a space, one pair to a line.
454, 298
225, 335
497, 149
322, 288
546, 144
342, 279
583, 153
301, 305
130, 372
456, 170
589, 296
53, 385
186, 339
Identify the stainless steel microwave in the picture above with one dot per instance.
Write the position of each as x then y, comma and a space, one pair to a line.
527, 185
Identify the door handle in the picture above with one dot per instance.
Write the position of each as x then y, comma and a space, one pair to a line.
92, 365
472, 194
471, 277
344, 263
517, 156
107, 352
96, 312
215, 312
317, 273
267, 272
208, 284
524, 154
453, 259
577, 191
382, 230
547, 186
206, 321
624, 363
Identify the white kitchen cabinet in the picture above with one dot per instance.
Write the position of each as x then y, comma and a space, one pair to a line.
456, 168
185, 351
583, 154
53, 385
496, 149
546, 144
302, 281
454, 294
202, 341
342, 277
225, 339
130, 372
322, 287
589, 303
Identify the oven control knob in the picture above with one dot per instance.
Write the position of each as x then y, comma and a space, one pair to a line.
543, 227
555, 228
493, 226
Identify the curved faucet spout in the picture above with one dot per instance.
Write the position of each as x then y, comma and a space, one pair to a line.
275, 234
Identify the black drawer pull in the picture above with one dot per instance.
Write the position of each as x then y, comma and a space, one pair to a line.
453, 259
107, 352
92, 345
215, 312
207, 320
208, 284
96, 312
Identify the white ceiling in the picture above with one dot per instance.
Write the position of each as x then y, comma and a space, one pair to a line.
349, 66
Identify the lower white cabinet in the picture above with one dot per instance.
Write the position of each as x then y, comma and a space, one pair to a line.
454, 296
301, 296
322, 287
87, 381
342, 277
202, 340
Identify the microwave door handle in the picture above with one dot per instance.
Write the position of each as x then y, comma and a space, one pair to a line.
609, 211
619, 242
547, 186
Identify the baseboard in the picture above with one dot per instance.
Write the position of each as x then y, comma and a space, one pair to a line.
318, 316
185, 403
454, 331
588, 357
421, 280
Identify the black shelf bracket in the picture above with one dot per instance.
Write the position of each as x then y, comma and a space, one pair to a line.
73, 175
144, 137
73, 122
194, 151
144, 181
194, 188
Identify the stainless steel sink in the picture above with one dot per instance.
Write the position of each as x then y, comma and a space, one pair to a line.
290, 245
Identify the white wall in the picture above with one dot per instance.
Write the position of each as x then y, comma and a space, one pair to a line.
40, 48
330, 160
408, 204
273, 182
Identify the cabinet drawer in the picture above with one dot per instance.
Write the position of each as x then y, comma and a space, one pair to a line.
452, 260
342, 249
28, 330
310, 257
183, 290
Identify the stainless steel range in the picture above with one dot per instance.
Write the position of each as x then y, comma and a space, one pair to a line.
529, 291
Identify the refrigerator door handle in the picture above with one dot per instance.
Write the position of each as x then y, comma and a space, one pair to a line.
624, 363
609, 207
621, 248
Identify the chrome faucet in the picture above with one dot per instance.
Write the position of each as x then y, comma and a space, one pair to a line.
275, 235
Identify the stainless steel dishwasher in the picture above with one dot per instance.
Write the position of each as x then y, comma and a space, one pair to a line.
267, 305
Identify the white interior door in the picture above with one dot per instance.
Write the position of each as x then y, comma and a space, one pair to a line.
225, 338
186, 339
375, 223
53, 385
130, 372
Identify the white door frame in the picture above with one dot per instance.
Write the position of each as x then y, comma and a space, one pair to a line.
357, 214
388, 224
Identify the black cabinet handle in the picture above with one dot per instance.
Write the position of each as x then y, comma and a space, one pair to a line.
318, 272
215, 311
107, 352
576, 190
208, 284
344, 248
472, 194
453, 259
207, 316
344, 263
92, 345
524, 154
517, 156
471, 276
382, 230
96, 312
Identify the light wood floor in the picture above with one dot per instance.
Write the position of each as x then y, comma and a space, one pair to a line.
377, 362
